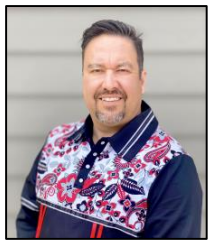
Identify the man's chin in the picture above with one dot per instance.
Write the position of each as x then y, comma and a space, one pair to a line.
109, 123
110, 120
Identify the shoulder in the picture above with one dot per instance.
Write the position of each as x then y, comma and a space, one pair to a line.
59, 136
65, 130
178, 178
56, 141
178, 169
161, 150
161, 137
175, 152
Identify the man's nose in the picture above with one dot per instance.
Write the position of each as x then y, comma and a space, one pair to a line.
110, 80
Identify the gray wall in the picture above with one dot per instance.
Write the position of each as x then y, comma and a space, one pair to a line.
44, 79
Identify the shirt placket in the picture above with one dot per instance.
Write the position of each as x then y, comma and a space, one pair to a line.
89, 161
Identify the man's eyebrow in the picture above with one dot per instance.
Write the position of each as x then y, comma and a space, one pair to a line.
94, 65
125, 64
98, 65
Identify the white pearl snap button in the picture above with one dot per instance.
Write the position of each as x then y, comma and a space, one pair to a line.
87, 166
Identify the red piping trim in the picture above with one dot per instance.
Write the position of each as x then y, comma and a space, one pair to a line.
99, 234
42, 212
93, 231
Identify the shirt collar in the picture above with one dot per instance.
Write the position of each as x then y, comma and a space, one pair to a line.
131, 138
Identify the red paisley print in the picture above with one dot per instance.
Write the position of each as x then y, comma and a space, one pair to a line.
155, 155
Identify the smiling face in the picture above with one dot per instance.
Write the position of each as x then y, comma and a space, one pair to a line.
112, 84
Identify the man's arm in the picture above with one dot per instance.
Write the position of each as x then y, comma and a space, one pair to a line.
27, 218
175, 201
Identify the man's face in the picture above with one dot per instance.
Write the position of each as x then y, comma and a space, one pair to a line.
112, 86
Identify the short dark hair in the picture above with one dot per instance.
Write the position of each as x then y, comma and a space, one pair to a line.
114, 27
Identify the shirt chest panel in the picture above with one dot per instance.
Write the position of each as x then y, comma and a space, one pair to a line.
114, 190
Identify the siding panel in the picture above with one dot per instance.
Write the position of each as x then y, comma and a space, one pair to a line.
165, 29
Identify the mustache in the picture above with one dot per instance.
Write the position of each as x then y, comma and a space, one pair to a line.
107, 92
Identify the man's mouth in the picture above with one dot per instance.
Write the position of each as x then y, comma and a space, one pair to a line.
110, 99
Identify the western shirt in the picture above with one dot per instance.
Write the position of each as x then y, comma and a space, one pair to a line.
139, 183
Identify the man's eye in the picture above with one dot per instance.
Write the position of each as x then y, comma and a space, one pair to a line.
96, 71
122, 70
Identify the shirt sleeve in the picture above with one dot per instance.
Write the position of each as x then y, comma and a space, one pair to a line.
175, 201
27, 218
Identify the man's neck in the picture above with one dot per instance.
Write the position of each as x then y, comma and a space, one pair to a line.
104, 131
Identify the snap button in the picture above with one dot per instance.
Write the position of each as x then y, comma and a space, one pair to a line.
80, 180
102, 142
94, 154
87, 166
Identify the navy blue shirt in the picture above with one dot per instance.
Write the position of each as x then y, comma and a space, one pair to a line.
139, 183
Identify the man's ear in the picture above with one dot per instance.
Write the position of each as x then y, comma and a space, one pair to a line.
143, 80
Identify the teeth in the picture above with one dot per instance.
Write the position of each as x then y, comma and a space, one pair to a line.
110, 99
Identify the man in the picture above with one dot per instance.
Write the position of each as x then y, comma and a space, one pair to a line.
117, 174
